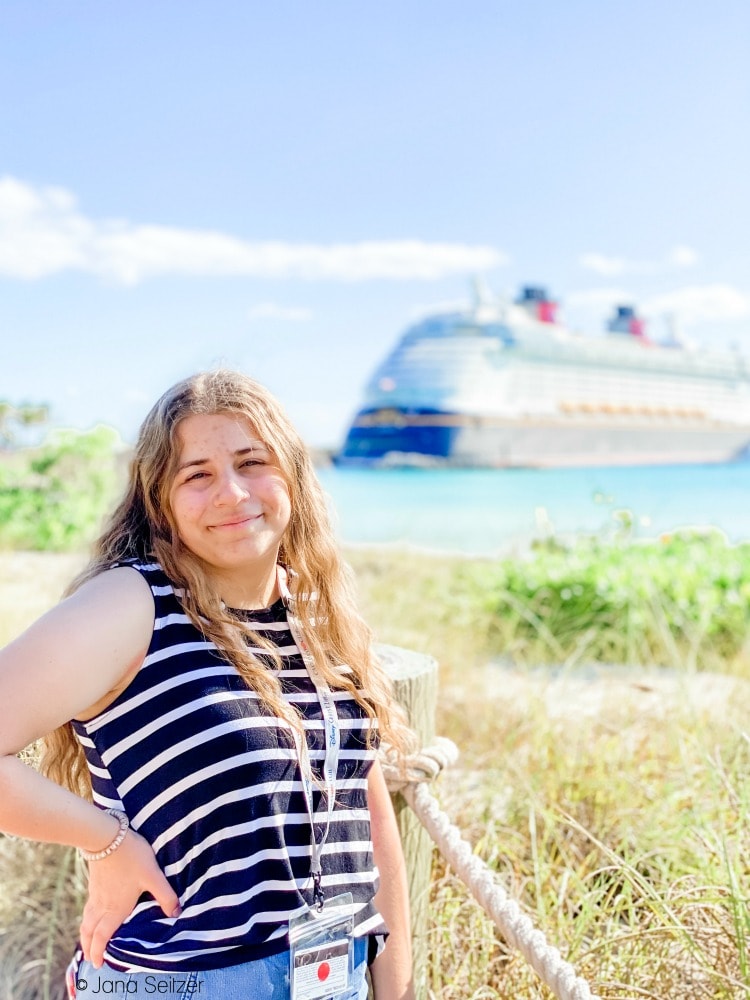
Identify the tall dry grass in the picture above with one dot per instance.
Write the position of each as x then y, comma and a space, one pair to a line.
30, 583
623, 835
41, 886
43, 889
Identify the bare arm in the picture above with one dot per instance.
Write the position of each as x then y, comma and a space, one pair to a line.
67, 662
392, 970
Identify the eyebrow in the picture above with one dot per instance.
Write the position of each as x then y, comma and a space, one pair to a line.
255, 446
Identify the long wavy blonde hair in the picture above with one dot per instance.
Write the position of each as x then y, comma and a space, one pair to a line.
143, 527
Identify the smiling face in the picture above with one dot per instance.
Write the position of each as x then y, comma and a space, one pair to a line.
230, 505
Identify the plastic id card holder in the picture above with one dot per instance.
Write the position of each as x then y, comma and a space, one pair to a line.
321, 947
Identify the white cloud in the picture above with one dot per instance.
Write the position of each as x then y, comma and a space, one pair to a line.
603, 265
701, 304
271, 310
597, 298
679, 257
43, 232
682, 256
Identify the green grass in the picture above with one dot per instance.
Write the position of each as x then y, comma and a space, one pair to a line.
612, 804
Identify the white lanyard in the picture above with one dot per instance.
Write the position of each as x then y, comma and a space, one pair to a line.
332, 741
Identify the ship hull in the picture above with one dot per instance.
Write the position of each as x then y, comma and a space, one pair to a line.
538, 443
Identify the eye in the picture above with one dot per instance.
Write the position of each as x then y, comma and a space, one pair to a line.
195, 475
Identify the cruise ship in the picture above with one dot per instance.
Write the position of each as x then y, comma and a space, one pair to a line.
505, 384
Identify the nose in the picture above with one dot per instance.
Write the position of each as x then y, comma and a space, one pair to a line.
230, 490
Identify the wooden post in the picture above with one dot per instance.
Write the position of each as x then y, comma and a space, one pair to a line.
414, 677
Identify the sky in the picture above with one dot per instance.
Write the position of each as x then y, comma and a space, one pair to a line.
285, 187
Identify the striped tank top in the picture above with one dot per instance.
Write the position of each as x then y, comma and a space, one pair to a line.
212, 781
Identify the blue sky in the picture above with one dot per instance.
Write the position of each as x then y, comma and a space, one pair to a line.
284, 187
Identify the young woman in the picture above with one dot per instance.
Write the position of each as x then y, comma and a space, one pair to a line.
207, 696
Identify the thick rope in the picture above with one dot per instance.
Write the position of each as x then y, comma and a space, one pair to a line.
515, 926
419, 767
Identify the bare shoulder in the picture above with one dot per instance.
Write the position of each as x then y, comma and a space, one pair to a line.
122, 586
75, 656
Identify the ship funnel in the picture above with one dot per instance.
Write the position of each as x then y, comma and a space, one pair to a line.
626, 320
537, 302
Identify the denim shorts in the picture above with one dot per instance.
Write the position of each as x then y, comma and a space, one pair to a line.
265, 978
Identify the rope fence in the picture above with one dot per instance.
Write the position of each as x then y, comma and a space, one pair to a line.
515, 926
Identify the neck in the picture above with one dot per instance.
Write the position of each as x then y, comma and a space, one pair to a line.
248, 591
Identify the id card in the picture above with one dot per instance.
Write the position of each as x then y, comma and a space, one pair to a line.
321, 950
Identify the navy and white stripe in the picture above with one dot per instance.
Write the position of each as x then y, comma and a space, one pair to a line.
212, 781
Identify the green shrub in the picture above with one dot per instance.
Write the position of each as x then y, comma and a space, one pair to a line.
683, 599
53, 497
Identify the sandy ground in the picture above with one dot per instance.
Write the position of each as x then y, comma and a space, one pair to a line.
609, 693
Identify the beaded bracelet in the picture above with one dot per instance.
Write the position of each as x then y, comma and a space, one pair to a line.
124, 822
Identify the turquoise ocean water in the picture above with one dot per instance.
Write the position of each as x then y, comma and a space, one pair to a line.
490, 511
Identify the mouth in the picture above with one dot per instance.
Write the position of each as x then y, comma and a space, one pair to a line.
236, 522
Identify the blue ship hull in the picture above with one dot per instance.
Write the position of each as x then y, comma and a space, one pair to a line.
392, 438
373, 442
